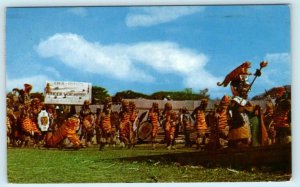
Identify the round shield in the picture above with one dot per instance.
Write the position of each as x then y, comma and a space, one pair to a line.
43, 120
144, 130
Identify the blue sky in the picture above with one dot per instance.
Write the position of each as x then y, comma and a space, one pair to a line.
147, 49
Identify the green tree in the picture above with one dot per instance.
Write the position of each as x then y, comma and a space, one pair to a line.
99, 94
128, 94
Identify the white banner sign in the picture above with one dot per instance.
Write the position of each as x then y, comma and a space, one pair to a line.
68, 93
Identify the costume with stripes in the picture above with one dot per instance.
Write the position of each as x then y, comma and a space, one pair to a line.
66, 130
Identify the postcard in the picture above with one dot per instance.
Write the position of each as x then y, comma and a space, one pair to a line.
148, 94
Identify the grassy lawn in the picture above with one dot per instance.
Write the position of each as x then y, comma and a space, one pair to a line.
88, 165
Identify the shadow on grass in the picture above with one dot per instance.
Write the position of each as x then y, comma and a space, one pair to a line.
271, 157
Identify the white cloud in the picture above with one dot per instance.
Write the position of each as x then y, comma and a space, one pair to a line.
278, 58
138, 62
278, 71
150, 16
78, 11
37, 81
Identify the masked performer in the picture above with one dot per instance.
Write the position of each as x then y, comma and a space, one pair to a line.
200, 122
282, 117
88, 120
269, 122
66, 130
27, 117
125, 125
153, 117
222, 118
105, 123
186, 122
170, 123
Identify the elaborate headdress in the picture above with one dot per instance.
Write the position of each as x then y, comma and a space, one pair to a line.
235, 74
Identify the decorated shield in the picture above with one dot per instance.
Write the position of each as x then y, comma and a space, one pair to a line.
43, 120
144, 130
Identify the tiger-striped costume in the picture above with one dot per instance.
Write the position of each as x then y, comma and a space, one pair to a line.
170, 122
186, 122
282, 114
66, 130
222, 114
30, 127
233, 75
125, 125
222, 118
88, 123
153, 117
105, 126
200, 122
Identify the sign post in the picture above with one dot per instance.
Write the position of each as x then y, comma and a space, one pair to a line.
68, 93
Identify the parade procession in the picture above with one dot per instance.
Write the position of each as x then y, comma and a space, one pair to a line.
66, 118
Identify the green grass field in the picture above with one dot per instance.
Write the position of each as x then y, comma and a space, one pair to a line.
88, 165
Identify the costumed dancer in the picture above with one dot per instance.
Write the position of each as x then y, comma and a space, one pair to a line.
153, 117
282, 116
66, 130
269, 122
105, 123
88, 120
186, 122
170, 122
125, 125
240, 131
222, 118
27, 118
200, 123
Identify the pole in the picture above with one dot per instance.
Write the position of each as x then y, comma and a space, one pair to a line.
258, 73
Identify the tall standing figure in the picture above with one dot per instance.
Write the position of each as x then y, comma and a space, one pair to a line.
88, 120
170, 122
282, 116
153, 117
125, 125
222, 119
200, 123
186, 123
239, 133
105, 123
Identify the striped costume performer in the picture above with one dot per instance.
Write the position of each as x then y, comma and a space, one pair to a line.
153, 117
186, 122
200, 122
222, 117
28, 124
170, 122
125, 125
281, 116
67, 130
105, 124
88, 122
